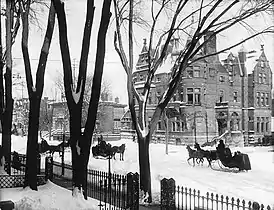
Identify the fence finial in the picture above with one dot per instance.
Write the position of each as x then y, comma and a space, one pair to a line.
255, 206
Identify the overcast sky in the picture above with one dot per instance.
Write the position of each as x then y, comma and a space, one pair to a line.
113, 71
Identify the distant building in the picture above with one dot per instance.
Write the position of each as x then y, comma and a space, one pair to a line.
108, 117
214, 98
20, 115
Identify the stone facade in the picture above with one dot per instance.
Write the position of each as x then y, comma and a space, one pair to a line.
213, 98
108, 116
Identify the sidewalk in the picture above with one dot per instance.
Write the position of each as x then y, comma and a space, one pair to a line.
141, 207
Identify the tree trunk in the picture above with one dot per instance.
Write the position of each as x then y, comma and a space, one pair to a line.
96, 89
144, 167
75, 135
7, 112
6, 133
32, 144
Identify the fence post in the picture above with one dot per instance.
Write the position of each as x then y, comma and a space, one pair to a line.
255, 206
133, 191
49, 168
167, 194
38, 163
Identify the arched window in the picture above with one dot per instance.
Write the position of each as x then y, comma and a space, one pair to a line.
173, 126
178, 126
234, 122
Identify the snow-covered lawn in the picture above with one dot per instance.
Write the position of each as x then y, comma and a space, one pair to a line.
48, 197
255, 185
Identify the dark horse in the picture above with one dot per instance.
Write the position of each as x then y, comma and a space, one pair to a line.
193, 154
44, 147
120, 149
210, 155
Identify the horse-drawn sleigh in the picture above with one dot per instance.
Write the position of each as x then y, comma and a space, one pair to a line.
102, 149
222, 155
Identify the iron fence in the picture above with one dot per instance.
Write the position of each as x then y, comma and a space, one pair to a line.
177, 197
113, 191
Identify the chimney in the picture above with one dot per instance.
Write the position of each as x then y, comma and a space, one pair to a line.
104, 96
117, 100
210, 46
242, 59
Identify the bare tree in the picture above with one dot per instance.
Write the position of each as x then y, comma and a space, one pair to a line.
46, 115
35, 91
12, 12
81, 142
212, 20
6, 101
105, 90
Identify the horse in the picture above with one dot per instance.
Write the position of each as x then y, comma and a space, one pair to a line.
209, 155
193, 154
52, 148
120, 149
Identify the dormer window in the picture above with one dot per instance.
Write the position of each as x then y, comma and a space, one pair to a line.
175, 97
260, 78
196, 70
211, 72
264, 78
181, 95
262, 99
196, 73
158, 79
190, 73
222, 79
258, 98
235, 96
262, 64
221, 96
267, 99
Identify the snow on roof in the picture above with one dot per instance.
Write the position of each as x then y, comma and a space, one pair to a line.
251, 60
166, 65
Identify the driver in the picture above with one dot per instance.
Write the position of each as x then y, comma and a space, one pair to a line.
221, 147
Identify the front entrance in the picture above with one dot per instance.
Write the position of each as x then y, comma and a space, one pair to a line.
222, 126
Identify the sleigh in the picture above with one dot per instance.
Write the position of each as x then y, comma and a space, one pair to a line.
102, 150
239, 160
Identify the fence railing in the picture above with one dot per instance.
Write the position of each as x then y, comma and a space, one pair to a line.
177, 197
10, 181
114, 191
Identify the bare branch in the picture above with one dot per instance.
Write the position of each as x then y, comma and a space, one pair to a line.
268, 30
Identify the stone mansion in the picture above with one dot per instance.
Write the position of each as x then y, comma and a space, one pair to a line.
214, 98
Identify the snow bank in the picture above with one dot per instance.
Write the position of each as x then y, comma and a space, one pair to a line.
48, 197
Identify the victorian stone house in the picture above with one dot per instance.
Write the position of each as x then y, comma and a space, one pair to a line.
215, 98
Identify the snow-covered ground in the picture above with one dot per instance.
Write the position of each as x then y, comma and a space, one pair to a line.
255, 185
48, 197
